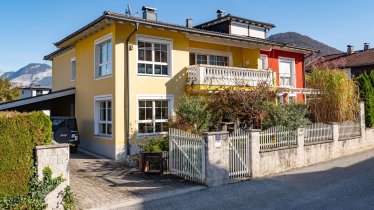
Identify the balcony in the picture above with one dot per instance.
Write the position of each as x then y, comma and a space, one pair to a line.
227, 76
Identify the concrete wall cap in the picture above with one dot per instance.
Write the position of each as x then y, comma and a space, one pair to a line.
216, 132
52, 146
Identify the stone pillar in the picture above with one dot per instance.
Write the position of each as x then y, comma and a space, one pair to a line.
362, 120
335, 138
55, 157
300, 147
217, 158
255, 152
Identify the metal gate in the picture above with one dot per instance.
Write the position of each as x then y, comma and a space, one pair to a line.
239, 154
187, 155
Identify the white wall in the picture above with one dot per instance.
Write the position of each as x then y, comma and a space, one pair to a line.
243, 30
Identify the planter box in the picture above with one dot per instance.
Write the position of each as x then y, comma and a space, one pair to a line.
153, 162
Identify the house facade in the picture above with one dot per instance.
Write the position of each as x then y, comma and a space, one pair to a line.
129, 72
32, 91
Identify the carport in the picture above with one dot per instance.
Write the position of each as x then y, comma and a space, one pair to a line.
59, 103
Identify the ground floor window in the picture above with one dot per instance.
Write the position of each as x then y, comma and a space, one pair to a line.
103, 116
154, 115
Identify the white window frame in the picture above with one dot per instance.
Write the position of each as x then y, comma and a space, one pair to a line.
97, 44
266, 59
73, 73
211, 52
169, 98
155, 40
293, 70
97, 100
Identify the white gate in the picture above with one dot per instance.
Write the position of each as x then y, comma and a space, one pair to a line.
187, 155
239, 154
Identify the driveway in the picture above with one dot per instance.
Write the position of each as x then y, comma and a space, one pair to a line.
345, 183
106, 184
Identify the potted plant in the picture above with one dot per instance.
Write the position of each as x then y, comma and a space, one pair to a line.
154, 155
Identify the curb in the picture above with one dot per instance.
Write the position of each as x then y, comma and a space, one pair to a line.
132, 202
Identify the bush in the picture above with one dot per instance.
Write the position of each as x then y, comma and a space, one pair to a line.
20, 133
338, 96
193, 114
291, 116
155, 144
366, 84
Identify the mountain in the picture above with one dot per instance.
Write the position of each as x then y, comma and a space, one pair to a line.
305, 41
33, 74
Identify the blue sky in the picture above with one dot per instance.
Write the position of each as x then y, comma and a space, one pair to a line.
29, 28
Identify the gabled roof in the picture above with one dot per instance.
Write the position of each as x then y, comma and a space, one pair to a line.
230, 17
111, 17
344, 60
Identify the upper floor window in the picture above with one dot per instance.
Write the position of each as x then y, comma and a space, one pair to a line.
72, 69
103, 56
216, 60
286, 72
154, 56
263, 62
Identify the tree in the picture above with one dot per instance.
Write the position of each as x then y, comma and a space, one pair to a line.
7, 92
366, 84
338, 96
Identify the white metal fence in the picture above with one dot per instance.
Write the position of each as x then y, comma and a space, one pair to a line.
349, 129
318, 132
239, 154
277, 136
186, 155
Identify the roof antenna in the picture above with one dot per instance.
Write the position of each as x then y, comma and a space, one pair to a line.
128, 10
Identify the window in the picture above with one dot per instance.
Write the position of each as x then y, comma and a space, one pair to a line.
39, 92
263, 63
153, 115
286, 72
72, 69
103, 116
153, 57
216, 60
103, 57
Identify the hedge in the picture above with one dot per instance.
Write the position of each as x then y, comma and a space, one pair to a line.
366, 84
19, 134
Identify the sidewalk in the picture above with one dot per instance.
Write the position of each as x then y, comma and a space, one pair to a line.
109, 184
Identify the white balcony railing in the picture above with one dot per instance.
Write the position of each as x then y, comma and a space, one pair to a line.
231, 76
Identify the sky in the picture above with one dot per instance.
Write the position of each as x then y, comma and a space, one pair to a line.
29, 28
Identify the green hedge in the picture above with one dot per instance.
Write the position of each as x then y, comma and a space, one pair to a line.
19, 134
366, 84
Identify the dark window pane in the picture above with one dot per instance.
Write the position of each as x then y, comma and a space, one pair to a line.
102, 128
141, 114
109, 129
149, 103
157, 69
158, 113
162, 127
145, 128
141, 68
192, 59
164, 70
141, 103
149, 69
148, 114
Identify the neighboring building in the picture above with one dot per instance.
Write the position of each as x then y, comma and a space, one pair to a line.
32, 91
352, 62
124, 74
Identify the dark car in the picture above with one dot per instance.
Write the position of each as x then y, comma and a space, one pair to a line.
65, 130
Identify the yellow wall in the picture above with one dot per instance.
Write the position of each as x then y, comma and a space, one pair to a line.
61, 72
87, 87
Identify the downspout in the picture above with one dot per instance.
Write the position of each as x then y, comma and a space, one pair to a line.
127, 79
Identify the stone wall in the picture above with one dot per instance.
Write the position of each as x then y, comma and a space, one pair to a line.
57, 158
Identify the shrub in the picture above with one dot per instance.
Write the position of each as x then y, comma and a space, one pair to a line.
155, 144
193, 114
366, 84
20, 133
338, 97
37, 191
291, 116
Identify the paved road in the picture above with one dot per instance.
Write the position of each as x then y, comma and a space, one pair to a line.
345, 183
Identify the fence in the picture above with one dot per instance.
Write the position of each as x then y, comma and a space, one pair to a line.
349, 129
239, 154
277, 136
186, 155
318, 132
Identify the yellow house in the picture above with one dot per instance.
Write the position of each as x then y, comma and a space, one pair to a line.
129, 72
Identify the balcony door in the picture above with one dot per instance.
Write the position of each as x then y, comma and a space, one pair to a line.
287, 72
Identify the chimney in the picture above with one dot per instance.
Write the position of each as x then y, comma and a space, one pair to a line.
350, 49
149, 13
220, 13
366, 46
189, 23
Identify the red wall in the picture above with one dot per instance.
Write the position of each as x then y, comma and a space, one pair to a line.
273, 56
